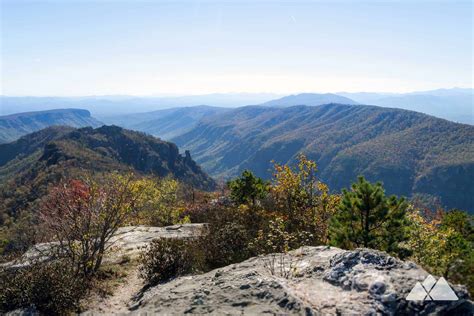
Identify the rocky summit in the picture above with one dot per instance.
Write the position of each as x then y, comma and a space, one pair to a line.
310, 281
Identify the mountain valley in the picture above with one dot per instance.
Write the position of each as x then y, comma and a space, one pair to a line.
411, 153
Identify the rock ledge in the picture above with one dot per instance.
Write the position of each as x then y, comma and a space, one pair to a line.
322, 281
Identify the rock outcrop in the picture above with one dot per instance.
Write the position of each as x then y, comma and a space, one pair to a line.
127, 241
309, 281
131, 240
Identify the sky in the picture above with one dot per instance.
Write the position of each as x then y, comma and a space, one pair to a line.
73, 48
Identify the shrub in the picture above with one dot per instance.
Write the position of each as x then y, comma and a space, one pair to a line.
302, 200
168, 258
275, 237
281, 265
162, 206
225, 244
51, 288
443, 245
82, 216
213, 211
229, 232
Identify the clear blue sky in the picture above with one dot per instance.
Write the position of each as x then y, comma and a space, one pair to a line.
196, 47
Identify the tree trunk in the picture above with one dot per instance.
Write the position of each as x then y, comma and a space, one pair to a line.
366, 229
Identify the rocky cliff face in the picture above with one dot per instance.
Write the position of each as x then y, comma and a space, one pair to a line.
309, 281
144, 153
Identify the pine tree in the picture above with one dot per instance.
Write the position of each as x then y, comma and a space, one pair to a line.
248, 188
366, 217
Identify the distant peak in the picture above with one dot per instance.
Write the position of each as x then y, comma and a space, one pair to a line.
310, 99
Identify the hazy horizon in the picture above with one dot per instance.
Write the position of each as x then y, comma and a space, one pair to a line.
97, 48
276, 93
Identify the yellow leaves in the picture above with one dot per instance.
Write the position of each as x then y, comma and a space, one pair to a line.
274, 239
158, 203
433, 247
185, 220
306, 167
302, 199
243, 208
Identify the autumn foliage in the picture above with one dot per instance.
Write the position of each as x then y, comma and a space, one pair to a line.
81, 216
249, 217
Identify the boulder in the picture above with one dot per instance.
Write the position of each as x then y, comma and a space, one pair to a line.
310, 281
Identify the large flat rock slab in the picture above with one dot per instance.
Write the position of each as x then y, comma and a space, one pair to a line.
127, 241
308, 281
130, 240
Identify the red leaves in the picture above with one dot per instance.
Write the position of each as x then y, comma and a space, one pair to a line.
79, 189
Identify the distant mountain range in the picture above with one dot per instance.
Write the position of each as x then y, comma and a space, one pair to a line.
36, 161
456, 104
16, 125
452, 104
165, 123
173, 122
411, 153
113, 105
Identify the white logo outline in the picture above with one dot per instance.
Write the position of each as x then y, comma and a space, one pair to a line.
432, 290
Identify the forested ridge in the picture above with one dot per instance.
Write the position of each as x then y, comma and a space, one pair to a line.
413, 154
35, 162
14, 126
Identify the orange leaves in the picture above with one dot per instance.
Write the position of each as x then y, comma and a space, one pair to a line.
79, 188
